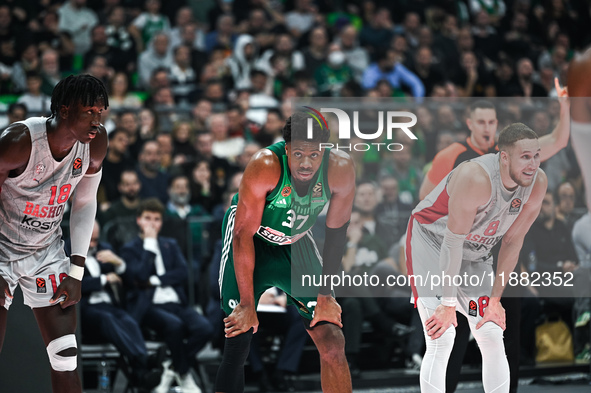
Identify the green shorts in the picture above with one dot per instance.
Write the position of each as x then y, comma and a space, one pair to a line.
273, 268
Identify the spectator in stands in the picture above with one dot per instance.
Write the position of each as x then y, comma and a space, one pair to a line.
386, 67
494, 8
505, 80
565, 205
148, 24
271, 131
178, 224
121, 214
100, 69
356, 56
183, 135
377, 34
223, 36
116, 161
158, 55
485, 37
28, 62
149, 124
119, 95
101, 47
402, 166
50, 70
33, 98
204, 191
201, 111
518, 40
184, 17
551, 244
316, 52
154, 181
118, 36
410, 29
103, 317
425, 69
473, 80
224, 146
334, 73
525, 76
220, 168
391, 214
284, 46
189, 35
302, 18
156, 297
128, 121
78, 20
242, 61
183, 79
16, 112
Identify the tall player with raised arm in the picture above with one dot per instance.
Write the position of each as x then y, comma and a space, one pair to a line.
44, 162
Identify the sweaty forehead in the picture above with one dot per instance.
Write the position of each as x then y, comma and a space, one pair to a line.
527, 145
484, 113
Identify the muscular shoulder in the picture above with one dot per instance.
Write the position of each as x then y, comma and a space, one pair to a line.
15, 146
470, 182
262, 172
341, 171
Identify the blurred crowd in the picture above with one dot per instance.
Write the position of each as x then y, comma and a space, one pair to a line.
196, 87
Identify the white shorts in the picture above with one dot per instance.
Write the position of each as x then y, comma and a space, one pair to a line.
38, 274
474, 280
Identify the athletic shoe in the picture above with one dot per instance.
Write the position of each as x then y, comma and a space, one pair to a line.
167, 379
187, 383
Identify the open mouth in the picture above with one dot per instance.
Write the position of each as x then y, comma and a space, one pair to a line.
305, 175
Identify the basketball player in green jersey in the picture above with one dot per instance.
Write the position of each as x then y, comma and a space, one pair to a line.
266, 237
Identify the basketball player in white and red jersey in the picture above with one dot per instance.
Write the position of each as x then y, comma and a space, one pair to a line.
42, 161
579, 88
452, 231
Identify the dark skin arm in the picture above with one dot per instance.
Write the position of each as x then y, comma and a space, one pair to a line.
260, 177
15, 149
71, 288
341, 180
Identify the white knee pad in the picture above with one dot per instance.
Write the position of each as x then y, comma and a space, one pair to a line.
62, 363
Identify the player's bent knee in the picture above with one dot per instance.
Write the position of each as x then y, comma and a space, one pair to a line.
60, 344
490, 332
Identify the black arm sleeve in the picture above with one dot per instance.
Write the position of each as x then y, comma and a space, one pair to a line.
332, 255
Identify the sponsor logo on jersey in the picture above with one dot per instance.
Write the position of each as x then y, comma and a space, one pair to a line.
77, 167
281, 203
278, 237
515, 206
317, 190
35, 210
286, 191
39, 172
472, 308
41, 287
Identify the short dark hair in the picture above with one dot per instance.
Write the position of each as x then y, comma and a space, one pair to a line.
114, 133
174, 178
152, 205
513, 133
17, 105
84, 89
296, 128
481, 104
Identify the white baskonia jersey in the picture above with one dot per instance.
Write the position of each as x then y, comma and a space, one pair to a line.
32, 204
492, 220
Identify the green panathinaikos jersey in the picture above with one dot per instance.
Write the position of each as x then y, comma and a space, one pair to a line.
287, 215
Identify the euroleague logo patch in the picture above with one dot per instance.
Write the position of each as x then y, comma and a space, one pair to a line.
286, 191
77, 167
41, 287
472, 308
515, 205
